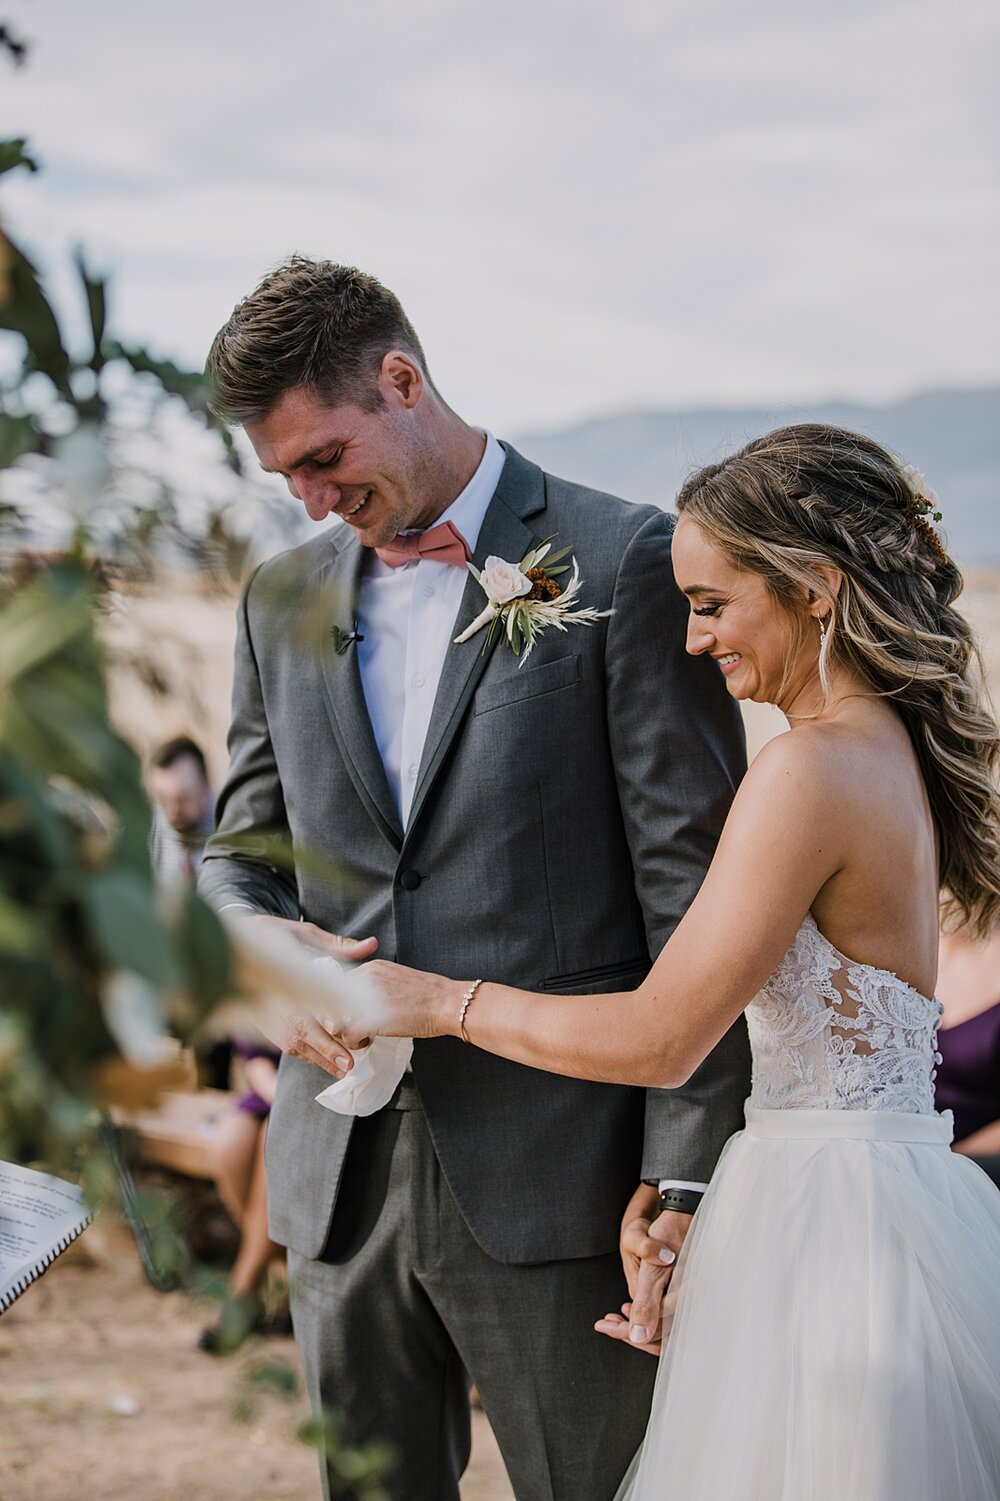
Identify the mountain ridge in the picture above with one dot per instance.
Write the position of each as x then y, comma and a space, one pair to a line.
951, 434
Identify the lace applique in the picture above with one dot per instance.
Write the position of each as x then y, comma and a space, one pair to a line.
831, 1034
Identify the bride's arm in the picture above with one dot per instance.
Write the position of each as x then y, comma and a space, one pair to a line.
780, 845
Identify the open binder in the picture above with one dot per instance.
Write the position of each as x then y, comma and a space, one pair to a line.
39, 1217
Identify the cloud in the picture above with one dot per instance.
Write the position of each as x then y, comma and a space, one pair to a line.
582, 207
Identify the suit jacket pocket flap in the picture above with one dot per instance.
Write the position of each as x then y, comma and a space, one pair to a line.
628, 975
528, 682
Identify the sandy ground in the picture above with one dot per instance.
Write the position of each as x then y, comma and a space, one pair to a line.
104, 1397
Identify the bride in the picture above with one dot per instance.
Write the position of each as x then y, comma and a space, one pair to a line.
834, 1328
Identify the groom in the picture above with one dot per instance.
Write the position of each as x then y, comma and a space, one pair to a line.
544, 823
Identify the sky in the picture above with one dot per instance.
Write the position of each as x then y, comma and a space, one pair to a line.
584, 207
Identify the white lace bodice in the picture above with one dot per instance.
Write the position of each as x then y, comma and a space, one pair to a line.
828, 1033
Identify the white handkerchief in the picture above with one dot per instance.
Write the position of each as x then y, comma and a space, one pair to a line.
379, 1067
373, 1079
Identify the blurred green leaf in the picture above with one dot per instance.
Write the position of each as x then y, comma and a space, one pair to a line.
233, 459
13, 46
276, 850
38, 623
353, 1472
126, 927
18, 435
28, 312
29, 828
274, 1376
192, 388
95, 290
19, 932
13, 154
203, 950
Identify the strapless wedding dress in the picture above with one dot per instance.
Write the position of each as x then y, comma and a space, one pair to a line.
836, 1330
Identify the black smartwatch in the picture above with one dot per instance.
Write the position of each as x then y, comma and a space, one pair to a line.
679, 1200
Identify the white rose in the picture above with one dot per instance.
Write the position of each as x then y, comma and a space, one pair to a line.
504, 581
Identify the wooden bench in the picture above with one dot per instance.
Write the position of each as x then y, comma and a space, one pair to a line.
178, 1133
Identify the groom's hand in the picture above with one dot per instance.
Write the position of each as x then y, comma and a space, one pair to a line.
308, 1038
650, 1245
333, 945
616, 1326
303, 1034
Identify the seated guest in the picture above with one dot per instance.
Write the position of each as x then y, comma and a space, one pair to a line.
968, 1077
238, 1152
184, 810
183, 818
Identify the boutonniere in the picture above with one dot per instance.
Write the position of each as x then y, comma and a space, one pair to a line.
525, 598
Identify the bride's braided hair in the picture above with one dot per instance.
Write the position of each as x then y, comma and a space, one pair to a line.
808, 495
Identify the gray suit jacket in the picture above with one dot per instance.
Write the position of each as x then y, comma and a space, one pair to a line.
564, 816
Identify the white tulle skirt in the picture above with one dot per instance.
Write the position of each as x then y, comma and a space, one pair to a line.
836, 1333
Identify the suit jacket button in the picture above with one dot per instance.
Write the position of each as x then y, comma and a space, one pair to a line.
410, 880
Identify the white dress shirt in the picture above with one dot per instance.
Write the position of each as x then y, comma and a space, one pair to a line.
176, 858
408, 616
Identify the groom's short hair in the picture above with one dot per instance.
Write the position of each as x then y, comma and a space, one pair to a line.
312, 325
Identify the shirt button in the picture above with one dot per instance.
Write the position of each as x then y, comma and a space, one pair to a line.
412, 773
418, 680
428, 591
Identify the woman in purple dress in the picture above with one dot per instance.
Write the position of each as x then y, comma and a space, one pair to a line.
968, 1078
239, 1176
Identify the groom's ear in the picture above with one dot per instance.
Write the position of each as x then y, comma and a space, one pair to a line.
400, 379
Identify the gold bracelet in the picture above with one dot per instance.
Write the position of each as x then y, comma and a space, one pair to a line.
466, 1003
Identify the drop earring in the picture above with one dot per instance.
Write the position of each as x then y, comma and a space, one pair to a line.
822, 632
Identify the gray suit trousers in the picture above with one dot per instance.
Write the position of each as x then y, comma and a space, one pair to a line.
403, 1307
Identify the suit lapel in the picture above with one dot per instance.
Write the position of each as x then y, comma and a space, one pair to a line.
520, 494
339, 583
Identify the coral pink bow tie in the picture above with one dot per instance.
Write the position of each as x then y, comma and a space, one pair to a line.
443, 543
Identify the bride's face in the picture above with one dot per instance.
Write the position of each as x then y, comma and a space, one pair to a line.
760, 648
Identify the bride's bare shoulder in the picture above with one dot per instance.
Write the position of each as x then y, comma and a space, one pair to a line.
805, 748
827, 764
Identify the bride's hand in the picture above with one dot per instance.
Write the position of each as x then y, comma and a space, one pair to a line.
411, 1003
650, 1244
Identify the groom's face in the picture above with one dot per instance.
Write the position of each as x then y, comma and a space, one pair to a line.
372, 469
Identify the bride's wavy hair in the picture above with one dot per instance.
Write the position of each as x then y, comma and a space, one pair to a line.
808, 495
